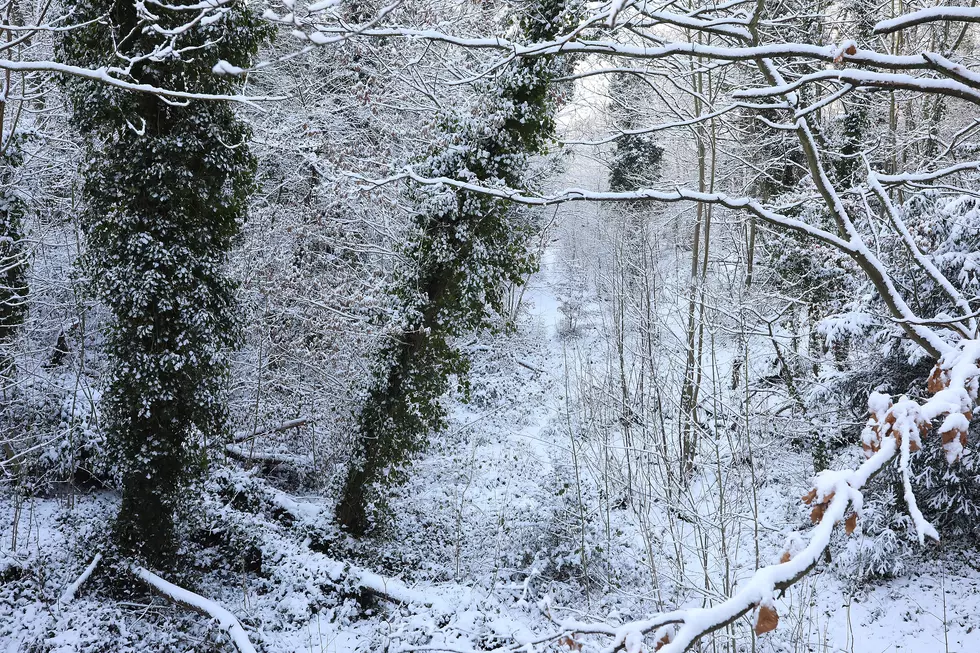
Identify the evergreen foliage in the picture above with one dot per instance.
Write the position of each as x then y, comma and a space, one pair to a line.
636, 163
466, 247
166, 190
851, 129
636, 158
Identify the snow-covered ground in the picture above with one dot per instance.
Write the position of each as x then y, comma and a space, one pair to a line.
480, 520
498, 531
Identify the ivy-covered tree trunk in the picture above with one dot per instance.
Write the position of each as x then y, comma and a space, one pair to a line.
166, 191
467, 247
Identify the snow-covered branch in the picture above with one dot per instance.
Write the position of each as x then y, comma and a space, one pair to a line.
278, 428
245, 455
721, 27
226, 620
643, 194
929, 15
869, 79
924, 177
572, 45
853, 245
102, 75
970, 331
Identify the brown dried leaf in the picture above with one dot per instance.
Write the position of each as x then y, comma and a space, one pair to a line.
937, 380
954, 434
950, 437
871, 448
786, 557
850, 524
810, 496
817, 513
569, 642
766, 621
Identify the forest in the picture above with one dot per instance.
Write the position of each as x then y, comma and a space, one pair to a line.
470, 326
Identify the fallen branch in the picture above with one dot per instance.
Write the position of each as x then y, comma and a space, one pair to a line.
396, 591
238, 453
226, 620
523, 363
70, 591
285, 426
289, 511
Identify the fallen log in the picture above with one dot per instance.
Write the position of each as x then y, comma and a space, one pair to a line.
70, 591
240, 454
226, 620
285, 426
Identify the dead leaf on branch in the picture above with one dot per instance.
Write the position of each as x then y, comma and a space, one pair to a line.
816, 515
766, 621
938, 380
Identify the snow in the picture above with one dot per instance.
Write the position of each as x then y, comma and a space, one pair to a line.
518, 527
955, 421
879, 404
225, 68
877, 613
323, 4
543, 306
400, 592
840, 327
